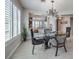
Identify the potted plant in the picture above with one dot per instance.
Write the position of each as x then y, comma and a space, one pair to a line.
24, 33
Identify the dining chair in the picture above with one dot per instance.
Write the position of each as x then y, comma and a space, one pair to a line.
36, 41
60, 40
47, 37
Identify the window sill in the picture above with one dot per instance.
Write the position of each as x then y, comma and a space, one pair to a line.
8, 42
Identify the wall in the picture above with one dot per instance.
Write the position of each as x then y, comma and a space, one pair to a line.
11, 45
62, 27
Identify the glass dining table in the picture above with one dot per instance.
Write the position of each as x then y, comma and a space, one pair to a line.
51, 36
46, 37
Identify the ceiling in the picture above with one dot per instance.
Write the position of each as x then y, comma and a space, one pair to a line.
59, 5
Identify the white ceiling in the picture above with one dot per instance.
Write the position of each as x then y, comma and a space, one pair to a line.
59, 5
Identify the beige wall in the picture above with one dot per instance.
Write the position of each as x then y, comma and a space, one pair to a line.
65, 23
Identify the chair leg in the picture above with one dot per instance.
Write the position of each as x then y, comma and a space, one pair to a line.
65, 48
33, 50
56, 50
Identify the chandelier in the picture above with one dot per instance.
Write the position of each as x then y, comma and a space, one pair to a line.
43, 0
52, 11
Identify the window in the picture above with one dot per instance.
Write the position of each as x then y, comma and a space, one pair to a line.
19, 18
7, 19
37, 24
12, 20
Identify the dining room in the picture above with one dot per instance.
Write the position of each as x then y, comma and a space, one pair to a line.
39, 29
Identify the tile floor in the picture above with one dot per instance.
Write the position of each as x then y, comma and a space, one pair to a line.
25, 52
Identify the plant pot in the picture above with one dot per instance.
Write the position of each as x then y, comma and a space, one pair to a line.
24, 39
